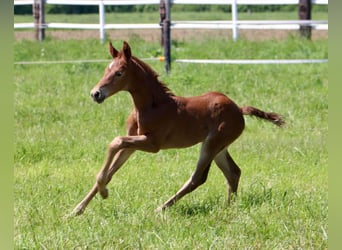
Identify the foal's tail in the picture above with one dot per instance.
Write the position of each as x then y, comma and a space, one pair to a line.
269, 116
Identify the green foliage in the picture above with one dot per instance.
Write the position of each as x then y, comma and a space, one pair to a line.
83, 9
71, 9
61, 137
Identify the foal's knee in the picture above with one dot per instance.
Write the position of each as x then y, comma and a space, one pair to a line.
116, 143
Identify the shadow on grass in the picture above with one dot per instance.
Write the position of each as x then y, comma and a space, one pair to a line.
201, 208
257, 195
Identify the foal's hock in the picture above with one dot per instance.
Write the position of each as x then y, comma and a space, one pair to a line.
162, 120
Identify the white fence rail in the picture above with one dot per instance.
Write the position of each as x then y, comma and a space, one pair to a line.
234, 24
206, 61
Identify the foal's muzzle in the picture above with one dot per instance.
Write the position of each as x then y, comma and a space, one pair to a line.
98, 96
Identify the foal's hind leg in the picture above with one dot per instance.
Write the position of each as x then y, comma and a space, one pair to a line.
230, 170
198, 177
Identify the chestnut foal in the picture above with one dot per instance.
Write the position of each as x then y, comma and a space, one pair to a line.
162, 120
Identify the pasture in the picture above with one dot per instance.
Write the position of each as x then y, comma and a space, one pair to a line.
61, 137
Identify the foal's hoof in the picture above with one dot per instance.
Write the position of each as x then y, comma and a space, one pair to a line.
104, 193
159, 209
77, 211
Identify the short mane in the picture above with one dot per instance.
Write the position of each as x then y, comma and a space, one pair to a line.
147, 68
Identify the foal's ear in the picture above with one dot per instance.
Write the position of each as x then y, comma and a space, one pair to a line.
112, 50
127, 50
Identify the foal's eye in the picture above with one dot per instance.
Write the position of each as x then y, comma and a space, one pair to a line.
118, 73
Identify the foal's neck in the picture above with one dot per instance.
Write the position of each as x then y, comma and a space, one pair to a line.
148, 92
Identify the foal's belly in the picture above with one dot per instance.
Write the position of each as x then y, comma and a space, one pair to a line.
185, 136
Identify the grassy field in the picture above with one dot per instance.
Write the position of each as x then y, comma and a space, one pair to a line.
61, 137
153, 17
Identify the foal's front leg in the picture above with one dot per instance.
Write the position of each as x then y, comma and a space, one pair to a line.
120, 158
137, 142
102, 176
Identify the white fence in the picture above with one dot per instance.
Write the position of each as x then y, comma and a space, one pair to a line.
206, 61
234, 24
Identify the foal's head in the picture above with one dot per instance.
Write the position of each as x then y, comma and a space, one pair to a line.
116, 76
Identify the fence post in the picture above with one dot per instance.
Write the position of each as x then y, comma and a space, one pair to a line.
162, 13
304, 12
35, 12
38, 11
234, 20
102, 21
42, 20
167, 34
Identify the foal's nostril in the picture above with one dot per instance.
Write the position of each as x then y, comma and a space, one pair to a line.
96, 95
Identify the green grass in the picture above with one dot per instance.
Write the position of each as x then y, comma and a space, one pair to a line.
153, 17
61, 137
